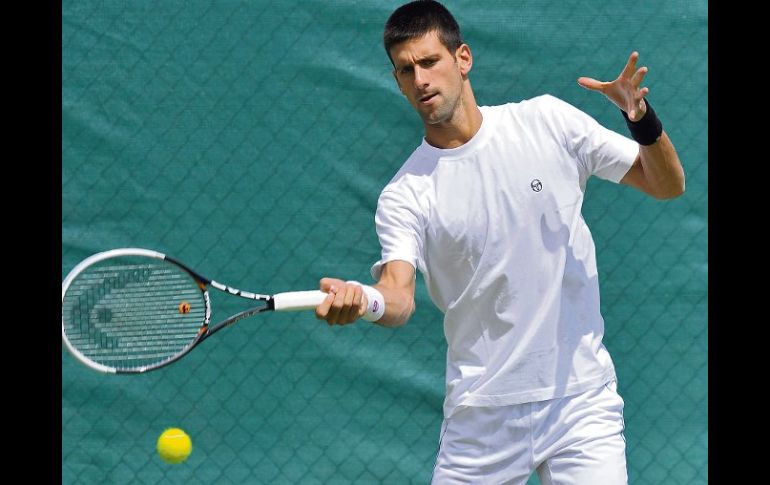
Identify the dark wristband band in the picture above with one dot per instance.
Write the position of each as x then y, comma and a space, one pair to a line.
647, 130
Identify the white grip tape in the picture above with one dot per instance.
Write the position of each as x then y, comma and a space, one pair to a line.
298, 300
376, 302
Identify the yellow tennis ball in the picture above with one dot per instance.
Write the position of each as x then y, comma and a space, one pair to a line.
174, 446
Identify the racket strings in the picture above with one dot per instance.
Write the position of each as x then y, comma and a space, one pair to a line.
128, 315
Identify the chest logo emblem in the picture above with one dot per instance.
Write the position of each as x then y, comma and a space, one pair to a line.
536, 185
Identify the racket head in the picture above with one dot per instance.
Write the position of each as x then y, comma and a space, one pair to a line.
132, 310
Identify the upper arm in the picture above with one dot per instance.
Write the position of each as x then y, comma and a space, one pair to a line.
635, 177
399, 230
597, 150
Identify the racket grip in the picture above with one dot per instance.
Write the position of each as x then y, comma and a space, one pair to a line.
298, 300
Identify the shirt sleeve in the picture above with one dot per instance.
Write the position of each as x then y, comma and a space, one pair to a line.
599, 151
398, 229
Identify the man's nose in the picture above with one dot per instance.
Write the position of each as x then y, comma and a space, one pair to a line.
420, 78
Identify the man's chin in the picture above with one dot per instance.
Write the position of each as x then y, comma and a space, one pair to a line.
435, 115
433, 118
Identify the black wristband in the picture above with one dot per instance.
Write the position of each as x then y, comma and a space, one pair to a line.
647, 130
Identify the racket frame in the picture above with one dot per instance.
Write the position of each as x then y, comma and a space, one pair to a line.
297, 300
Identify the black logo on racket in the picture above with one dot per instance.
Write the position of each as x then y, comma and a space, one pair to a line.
92, 310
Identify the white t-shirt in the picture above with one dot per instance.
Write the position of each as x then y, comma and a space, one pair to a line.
495, 228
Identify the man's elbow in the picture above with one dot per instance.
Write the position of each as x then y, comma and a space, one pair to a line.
409, 309
671, 191
678, 191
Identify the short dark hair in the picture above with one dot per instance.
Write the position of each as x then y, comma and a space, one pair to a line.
418, 18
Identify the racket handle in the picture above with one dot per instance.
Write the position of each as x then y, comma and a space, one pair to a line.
298, 300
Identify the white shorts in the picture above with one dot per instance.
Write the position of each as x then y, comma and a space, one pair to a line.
575, 440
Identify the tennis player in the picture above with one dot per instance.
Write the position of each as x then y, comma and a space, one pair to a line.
488, 208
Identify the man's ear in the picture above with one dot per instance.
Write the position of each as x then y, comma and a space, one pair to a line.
464, 59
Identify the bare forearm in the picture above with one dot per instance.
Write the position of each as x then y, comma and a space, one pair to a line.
393, 295
662, 169
399, 306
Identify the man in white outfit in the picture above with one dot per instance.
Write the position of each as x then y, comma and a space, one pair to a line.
488, 208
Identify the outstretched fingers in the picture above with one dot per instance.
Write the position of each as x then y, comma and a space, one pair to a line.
638, 77
630, 68
638, 108
591, 83
625, 91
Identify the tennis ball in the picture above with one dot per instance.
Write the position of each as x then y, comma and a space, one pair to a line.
174, 446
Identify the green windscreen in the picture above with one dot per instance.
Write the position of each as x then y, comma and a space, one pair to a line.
250, 140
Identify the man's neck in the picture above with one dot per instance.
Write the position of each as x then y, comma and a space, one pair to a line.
456, 132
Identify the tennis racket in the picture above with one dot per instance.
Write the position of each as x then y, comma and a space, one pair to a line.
128, 311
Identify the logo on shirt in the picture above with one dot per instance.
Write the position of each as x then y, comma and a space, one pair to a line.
536, 185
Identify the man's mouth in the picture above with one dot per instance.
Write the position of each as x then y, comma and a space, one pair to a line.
427, 98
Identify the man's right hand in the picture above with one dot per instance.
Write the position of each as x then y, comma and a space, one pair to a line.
344, 304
